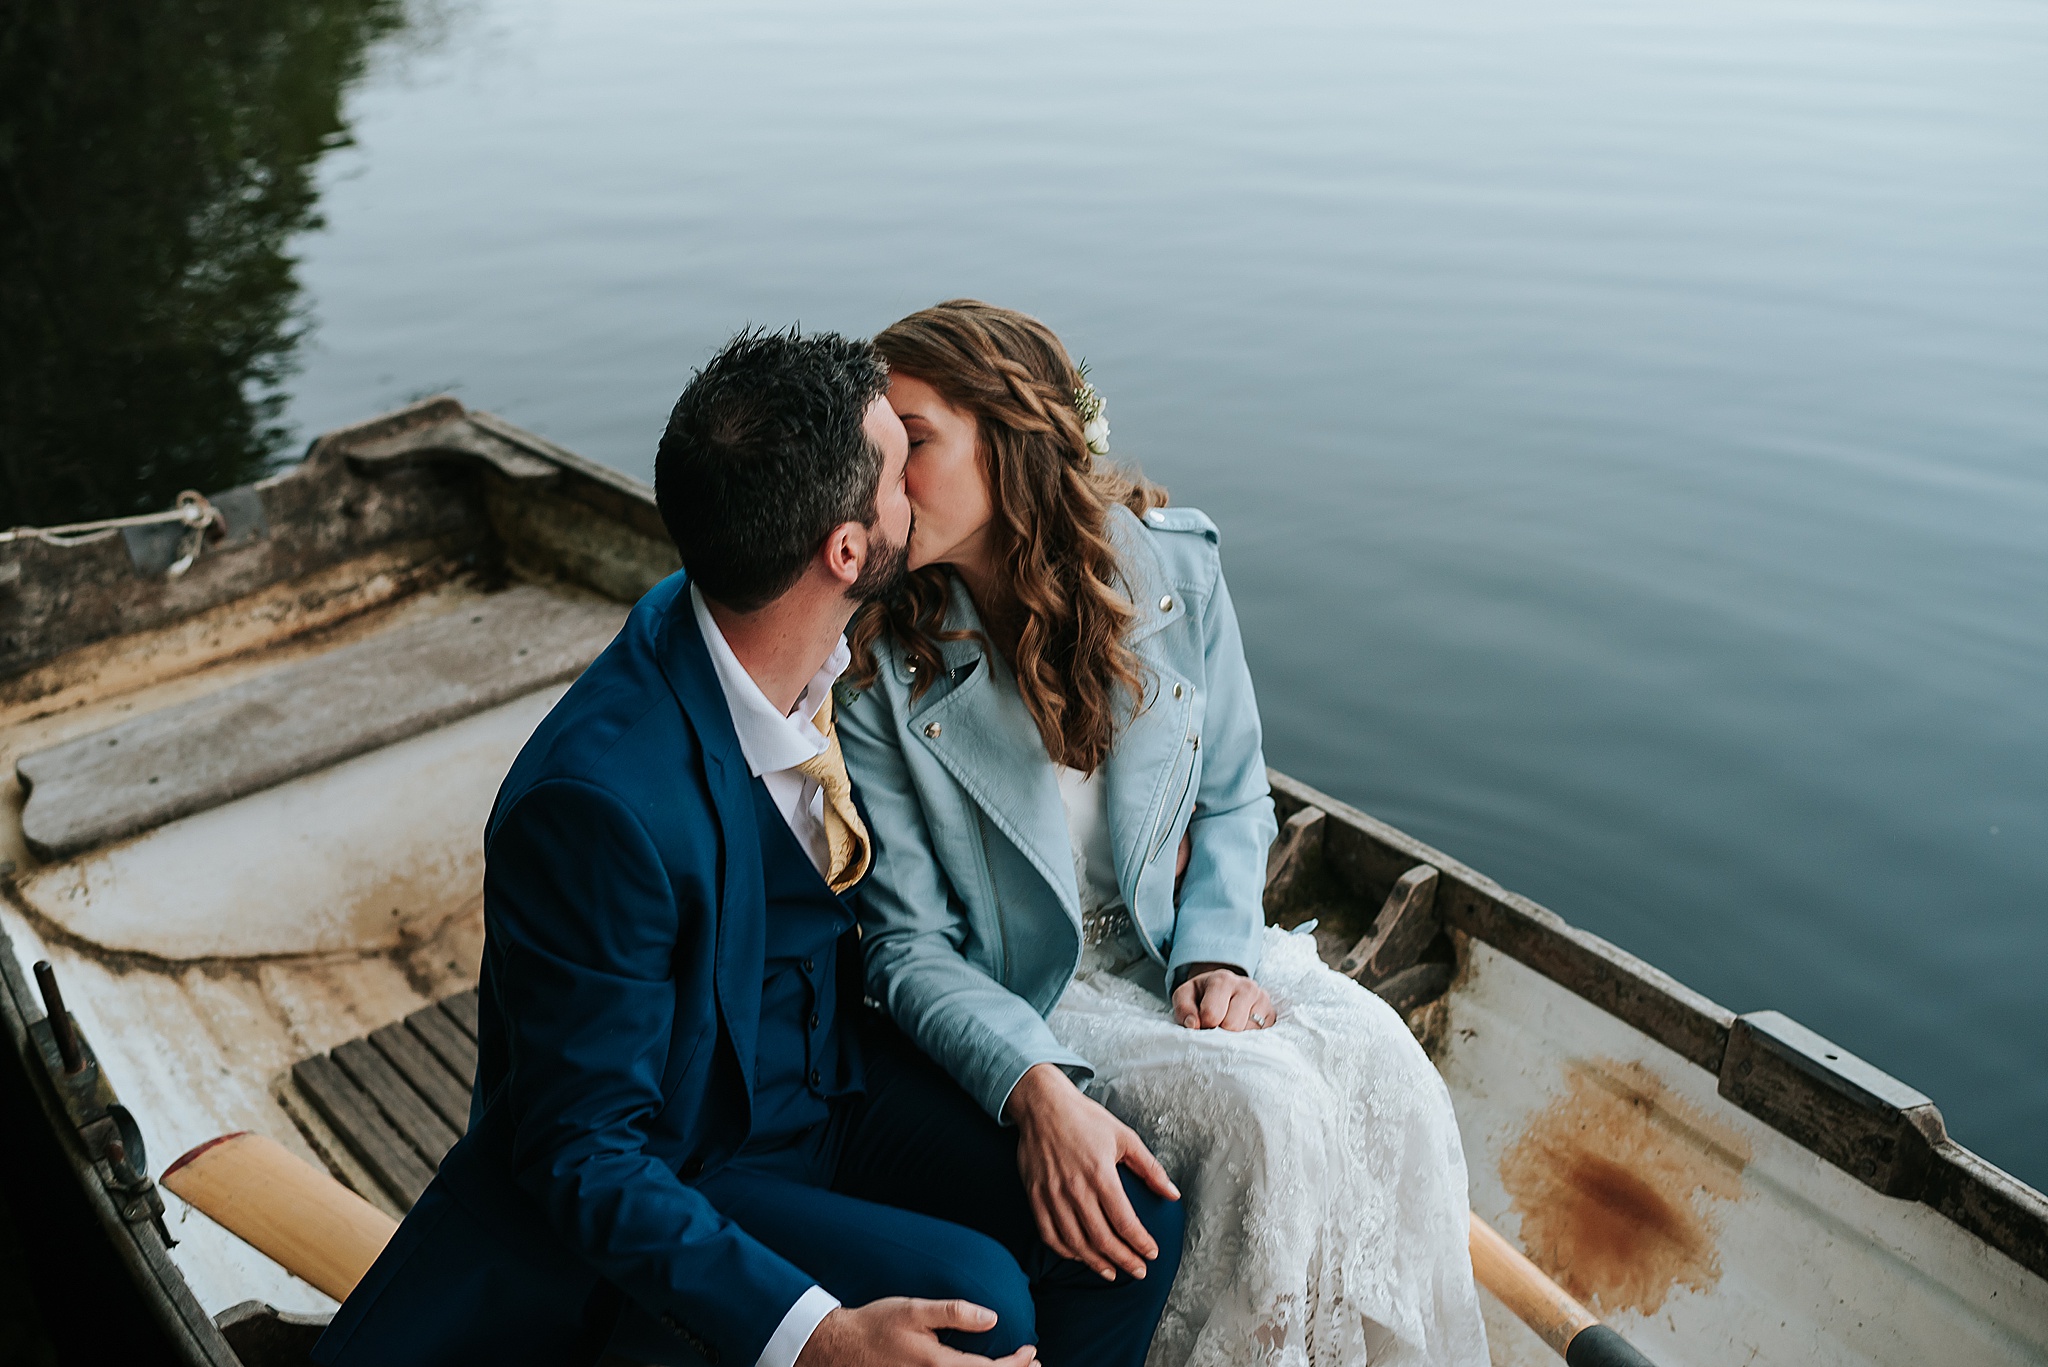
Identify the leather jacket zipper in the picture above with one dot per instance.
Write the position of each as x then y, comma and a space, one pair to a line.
1164, 828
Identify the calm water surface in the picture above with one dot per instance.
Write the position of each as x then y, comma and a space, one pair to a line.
1628, 423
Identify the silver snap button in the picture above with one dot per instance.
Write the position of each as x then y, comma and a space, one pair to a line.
1178, 690
910, 666
1166, 603
932, 729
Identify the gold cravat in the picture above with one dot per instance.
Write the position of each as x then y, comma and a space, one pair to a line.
845, 837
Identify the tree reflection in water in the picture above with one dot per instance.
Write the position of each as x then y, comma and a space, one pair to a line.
155, 162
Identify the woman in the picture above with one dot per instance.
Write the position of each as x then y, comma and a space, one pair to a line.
1054, 732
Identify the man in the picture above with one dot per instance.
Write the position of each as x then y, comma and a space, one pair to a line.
682, 1149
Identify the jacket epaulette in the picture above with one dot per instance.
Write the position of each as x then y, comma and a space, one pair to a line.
1170, 519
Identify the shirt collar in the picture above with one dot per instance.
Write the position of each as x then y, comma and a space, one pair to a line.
769, 740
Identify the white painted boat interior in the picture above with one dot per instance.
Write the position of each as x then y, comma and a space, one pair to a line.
1700, 1233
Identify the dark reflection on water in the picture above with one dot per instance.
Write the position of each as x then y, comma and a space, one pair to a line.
155, 165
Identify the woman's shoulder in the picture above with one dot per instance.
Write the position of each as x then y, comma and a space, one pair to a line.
1173, 521
1175, 546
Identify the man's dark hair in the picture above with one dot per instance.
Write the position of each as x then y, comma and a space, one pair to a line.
764, 455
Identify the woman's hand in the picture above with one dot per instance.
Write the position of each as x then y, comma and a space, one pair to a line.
1068, 1150
899, 1332
1218, 997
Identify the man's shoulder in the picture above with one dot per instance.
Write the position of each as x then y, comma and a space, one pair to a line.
619, 728
620, 739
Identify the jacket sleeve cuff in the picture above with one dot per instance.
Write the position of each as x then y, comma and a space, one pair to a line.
796, 1328
1077, 1069
1241, 946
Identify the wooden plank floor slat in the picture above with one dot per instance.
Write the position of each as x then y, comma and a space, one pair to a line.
462, 1006
363, 1128
402, 1106
425, 1073
442, 1035
399, 1098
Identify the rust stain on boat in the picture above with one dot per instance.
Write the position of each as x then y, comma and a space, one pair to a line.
1618, 1183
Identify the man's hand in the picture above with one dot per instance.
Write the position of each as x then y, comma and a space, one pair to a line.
1218, 997
1068, 1149
901, 1332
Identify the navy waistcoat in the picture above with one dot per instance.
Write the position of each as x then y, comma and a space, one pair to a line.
800, 1061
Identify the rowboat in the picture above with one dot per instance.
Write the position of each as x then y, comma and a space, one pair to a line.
252, 743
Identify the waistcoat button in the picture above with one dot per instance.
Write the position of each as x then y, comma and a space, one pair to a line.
816, 1077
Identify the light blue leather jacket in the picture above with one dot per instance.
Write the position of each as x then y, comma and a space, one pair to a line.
972, 917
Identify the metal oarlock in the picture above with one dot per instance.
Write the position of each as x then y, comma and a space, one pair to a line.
61, 1026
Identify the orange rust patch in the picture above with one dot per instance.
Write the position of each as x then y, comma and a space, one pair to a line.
1618, 1184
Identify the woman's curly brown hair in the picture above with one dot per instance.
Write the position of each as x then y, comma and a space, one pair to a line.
1060, 618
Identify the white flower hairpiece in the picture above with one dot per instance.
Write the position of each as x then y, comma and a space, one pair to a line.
1089, 405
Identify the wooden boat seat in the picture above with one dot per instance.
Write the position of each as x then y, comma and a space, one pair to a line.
399, 1096
133, 777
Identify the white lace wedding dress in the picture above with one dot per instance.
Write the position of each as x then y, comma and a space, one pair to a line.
1319, 1159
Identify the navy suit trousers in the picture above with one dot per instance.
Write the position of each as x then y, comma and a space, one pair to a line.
914, 1191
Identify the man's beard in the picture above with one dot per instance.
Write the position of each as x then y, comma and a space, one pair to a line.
884, 572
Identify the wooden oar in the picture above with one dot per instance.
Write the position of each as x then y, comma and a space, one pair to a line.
288, 1210
321, 1232
1560, 1321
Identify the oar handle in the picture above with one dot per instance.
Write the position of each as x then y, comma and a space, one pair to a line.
322, 1232
1571, 1330
292, 1212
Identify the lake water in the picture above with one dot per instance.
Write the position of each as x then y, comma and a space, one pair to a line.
1628, 423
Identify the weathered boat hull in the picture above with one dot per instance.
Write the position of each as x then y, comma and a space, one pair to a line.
1723, 1188
1720, 1188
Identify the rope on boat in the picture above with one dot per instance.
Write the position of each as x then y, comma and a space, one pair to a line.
203, 523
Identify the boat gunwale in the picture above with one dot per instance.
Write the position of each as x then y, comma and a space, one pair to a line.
1977, 1195
153, 1270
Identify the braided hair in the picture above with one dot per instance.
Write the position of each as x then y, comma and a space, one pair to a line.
1060, 614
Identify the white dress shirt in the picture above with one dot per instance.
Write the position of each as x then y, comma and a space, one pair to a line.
774, 745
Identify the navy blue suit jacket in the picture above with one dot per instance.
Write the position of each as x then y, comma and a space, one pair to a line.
620, 1000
